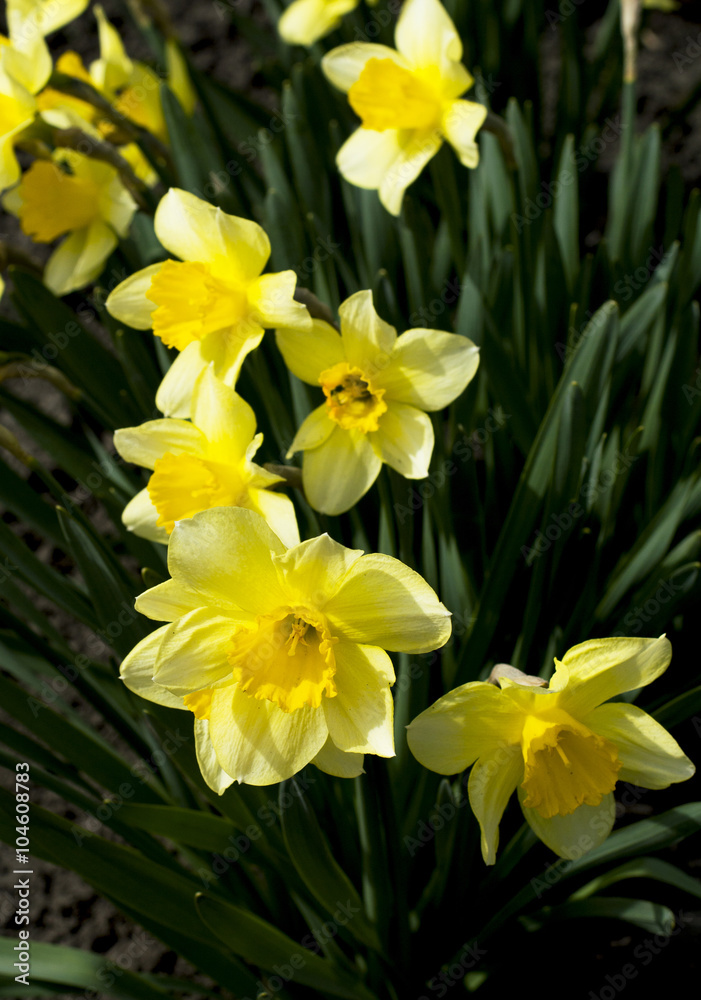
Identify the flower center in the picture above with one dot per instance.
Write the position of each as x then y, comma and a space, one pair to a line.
566, 765
192, 303
351, 400
286, 658
182, 485
387, 96
54, 202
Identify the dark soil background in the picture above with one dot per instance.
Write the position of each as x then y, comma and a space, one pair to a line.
584, 958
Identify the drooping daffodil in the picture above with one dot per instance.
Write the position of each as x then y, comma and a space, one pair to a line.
279, 653
201, 464
304, 22
378, 388
408, 101
562, 748
213, 305
77, 197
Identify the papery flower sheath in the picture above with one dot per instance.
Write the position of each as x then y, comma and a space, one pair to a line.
407, 100
279, 653
562, 748
200, 464
77, 197
378, 388
213, 305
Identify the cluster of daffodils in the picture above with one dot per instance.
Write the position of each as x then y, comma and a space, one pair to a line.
81, 194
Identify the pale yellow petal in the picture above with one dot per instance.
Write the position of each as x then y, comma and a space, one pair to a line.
114, 67
474, 720
80, 258
192, 229
576, 834
278, 510
314, 570
429, 368
128, 302
384, 603
492, 782
404, 440
651, 757
225, 419
145, 444
599, 669
259, 744
212, 772
225, 554
40, 17
344, 64
367, 339
460, 124
425, 34
367, 156
193, 652
174, 394
308, 353
340, 471
139, 666
360, 717
272, 303
316, 428
337, 762
141, 517
417, 148
179, 78
167, 601
306, 21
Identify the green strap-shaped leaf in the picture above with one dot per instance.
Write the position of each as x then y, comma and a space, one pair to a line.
654, 868
649, 916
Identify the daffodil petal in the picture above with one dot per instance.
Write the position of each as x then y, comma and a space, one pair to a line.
128, 302
226, 557
650, 756
472, 721
174, 394
193, 652
425, 34
139, 666
417, 148
315, 569
192, 229
145, 444
272, 303
405, 440
384, 603
360, 717
343, 65
460, 123
167, 601
340, 471
212, 772
337, 762
429, 368
367, 156
308, 353
259, 744
315, 429
225, 419
600, 669
141, 517
576, 834
80, 258
491, 783
367, 339
278, 510
306, 21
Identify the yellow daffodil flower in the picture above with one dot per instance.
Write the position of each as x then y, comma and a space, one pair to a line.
77, 197
378, 388
214, 304
306, 21
563, 748
202, 464
279, 653
407, 100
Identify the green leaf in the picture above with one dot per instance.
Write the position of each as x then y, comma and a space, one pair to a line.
566, 212
651, 917
653, 868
